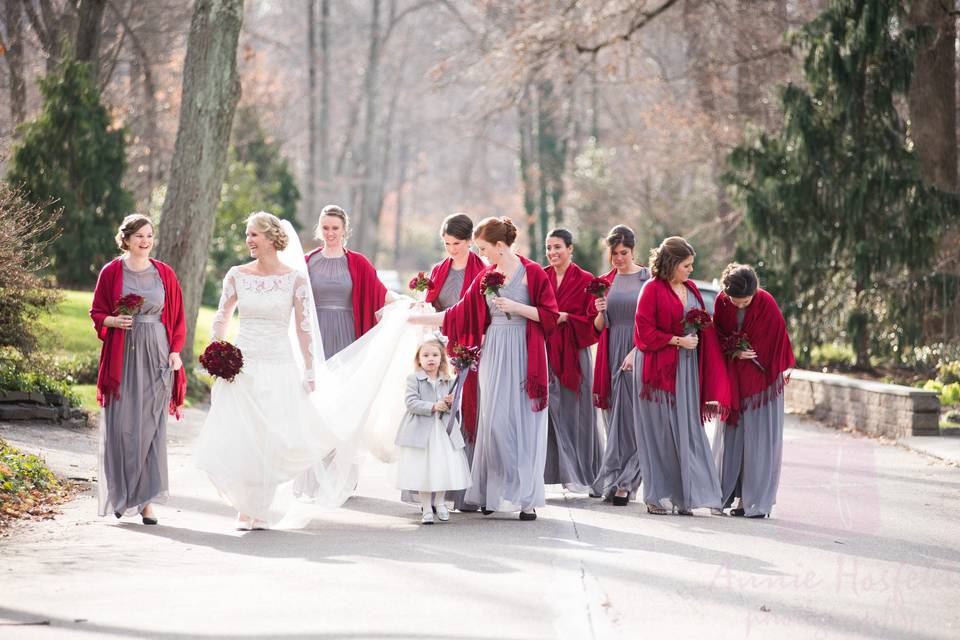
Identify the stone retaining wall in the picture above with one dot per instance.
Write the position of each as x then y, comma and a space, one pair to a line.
875, 408
31, 405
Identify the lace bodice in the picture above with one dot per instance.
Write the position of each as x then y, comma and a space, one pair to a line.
265, 305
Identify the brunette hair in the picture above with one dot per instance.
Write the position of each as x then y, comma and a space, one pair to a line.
458, 225
563, 234
269, 225
494, 230
130, 225
444, 369
337, 212
739, 280
665, 258
620, 235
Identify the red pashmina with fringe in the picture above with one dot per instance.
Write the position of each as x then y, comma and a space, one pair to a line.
466, 322
563, 347
766, 332
659, 318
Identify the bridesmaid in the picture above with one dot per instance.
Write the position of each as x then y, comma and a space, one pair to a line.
141, 377
453, 276
753, 435
511, 443
613, 388
346, 290
682, 379
573, 443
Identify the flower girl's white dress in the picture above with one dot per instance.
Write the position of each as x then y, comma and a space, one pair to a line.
264, 430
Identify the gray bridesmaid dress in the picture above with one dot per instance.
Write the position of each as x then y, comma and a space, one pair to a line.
574, 449
511, 445
333, 296
133, 435
675, 455
620, 468
752, 453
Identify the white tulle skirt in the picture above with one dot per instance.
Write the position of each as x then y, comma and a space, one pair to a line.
436, 467
263, 433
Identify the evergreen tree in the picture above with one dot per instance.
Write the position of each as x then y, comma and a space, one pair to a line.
834, 201
72, 156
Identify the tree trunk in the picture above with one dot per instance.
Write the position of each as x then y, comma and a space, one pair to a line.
366, 161
211, 90
13, 16
932, 96
88, 33
310, 201
324, 149
527, 169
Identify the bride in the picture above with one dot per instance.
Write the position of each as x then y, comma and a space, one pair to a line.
265, 428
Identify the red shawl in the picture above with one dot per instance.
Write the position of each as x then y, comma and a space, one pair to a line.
578, 332
766, 331
467, 321
368, 294
439, 275
108, 291
601, 370
659, 318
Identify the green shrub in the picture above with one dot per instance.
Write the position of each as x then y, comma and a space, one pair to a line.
952, 416
933, 385
25, 480
949, 371
832, 355
950, 394
18, 375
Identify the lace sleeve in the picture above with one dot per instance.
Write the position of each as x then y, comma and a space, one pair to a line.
228, 302
303, 312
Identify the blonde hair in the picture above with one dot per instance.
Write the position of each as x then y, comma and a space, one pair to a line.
337, 212
130, 225
444, 369
269, 225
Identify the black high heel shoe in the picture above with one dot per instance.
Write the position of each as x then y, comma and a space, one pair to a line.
737, 513
149, 519
528, 516
620, 501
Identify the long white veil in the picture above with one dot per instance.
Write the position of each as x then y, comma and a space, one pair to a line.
358, 392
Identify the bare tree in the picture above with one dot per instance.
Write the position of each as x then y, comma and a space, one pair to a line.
211, 90
13, 48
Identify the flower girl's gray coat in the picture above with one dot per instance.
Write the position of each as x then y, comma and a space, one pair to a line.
416, 426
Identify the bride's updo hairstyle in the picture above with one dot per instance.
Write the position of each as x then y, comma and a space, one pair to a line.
494, 230
337, 212
269, 225
668, 256
130, 225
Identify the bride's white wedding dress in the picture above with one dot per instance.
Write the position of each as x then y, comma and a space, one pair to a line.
269, 445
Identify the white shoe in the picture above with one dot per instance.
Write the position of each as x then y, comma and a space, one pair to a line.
442, 513
427, 517
259, 525
243, 524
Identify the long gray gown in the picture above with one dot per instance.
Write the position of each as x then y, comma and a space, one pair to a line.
574, 449
620, 468
450, 295
333, 296
752, 453
511, 443
675, 456
133, 434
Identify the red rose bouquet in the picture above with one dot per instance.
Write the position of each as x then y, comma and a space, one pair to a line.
421, 284
598, 288
696, 319
222, 360
464, 359
491, 283
736, 344
129, 304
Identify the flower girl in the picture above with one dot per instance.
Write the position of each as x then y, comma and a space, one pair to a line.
431, 451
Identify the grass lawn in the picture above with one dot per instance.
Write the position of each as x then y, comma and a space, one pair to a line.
68, 331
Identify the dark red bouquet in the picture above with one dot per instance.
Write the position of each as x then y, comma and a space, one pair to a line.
222, 360
491, 283
598, 288
421, 283
129, 304
464, 358
696, 319
736, 344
